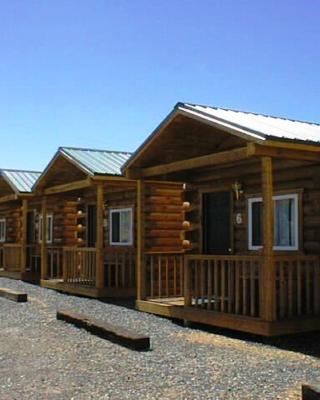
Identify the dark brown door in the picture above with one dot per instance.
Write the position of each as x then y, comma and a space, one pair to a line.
91, 225
216, 223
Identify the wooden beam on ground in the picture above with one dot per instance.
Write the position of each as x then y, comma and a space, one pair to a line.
66, 187
282, 152
115, 334
13, 295
268, 276
310, 392
99, 242
44, 258
24, 213
140, 268
9, 197
222, 157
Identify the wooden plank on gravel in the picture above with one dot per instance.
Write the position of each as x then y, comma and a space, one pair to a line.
310, 392
12, 295
115, 334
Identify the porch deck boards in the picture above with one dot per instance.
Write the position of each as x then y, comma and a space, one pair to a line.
24, 276
88, 291
174, 308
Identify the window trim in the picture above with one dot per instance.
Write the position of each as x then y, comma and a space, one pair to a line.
293, 196
120, 210
50, 239
4, 221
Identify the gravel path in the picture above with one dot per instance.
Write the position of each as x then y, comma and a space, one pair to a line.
42, 358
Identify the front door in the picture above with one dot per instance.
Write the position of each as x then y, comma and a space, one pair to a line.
91, 225
216, 223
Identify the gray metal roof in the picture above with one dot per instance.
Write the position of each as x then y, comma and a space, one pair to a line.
20, 181
104, 162
256, 126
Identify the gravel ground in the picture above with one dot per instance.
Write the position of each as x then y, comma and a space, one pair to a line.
42, 358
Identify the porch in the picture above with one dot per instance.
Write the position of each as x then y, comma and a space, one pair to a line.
227, 291
19, 262
74, 270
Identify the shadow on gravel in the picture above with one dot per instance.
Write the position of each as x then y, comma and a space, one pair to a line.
305, 343
126, 303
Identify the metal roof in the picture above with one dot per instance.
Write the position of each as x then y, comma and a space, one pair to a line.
20, 181
254, 125
250, 126
92, 161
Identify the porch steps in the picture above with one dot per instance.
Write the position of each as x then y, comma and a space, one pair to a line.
115, 334
14, 296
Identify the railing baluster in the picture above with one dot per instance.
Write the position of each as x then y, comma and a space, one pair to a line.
174, 276
237, 288
167, 277
160, 275
252, 289
209, 265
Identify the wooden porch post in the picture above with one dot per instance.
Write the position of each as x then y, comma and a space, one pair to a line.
24, 236
99, 242
140, 267
44, 258
268, 281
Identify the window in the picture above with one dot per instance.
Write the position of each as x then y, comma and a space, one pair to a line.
121, 226
285, 222
49, 228
2, 230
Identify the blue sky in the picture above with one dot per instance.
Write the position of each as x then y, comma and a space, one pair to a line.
103, 74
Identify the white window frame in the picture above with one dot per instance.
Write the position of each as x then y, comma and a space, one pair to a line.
4, 233
50, 233
293, 196
119, 210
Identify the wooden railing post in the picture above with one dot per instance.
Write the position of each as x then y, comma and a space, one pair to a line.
186, 283
268, 281
140, 270
23, 255
99, 242
44, 257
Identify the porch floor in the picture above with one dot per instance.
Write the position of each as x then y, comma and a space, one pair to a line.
174, 308
86, 290
27, 276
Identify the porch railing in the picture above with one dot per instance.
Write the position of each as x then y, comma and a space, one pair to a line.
119, 269
12, 257
33, 258
79, 265
55, 262
297, 286
164, 274
1, 257
228, 284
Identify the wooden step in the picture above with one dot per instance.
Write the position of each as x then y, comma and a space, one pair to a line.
115, 334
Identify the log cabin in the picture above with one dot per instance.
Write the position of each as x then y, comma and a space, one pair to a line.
252, 219
16, 197
88, 213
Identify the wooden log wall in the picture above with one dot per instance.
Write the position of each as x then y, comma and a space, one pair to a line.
289, 177
163, 217
11, 212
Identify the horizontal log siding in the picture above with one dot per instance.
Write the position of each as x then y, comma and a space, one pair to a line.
11, 212
288, 176
163, 217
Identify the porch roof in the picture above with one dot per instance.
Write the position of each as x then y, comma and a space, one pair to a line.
257, 126
20, 181
96, 162
248, 126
